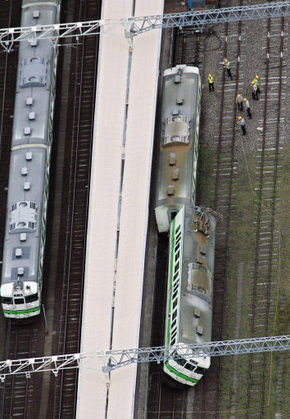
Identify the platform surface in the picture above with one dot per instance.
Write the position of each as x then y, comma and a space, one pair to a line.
114, 268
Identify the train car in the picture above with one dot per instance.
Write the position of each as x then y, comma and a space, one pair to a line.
178, 152
189, 292
28, 185
192, 231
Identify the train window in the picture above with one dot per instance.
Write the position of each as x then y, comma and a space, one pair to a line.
172, 215
178, 238
6, 300
31, 298
189, 367
176, 267
175, 290
199, 370
174, 294
181, 361
19, 300
172, 339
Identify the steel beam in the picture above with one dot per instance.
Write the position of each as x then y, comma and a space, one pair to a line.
199, 19
119, 358
137, 25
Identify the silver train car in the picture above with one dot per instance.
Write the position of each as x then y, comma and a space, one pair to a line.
189, 292
24, 241
178, 152
191, 230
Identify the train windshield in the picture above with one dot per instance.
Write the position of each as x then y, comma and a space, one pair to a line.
189, 367
6, 300
200, 370
180, 361
19, 300
31, 298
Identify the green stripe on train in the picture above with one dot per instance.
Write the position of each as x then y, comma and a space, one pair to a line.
184, 377
31, 310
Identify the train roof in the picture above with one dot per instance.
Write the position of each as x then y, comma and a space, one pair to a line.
24, 205
197, 282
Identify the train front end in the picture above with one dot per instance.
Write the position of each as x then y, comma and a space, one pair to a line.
184, 367
20, 301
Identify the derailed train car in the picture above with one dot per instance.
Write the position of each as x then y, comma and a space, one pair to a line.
191, 230
32, 134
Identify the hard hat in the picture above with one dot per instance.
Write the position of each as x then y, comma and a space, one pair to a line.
245, 99
239, 95
253, 82
209, 75
257, 76
226, 60
239, 118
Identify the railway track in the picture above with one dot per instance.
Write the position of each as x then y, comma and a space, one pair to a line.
268, 228
73, 223
20, 392
224, 194
239, 177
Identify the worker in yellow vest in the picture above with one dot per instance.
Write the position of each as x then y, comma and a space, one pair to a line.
210, 83
228, 68
255, 90
256, 80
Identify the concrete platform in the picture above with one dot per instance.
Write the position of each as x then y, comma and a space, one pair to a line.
103, 212
123, 143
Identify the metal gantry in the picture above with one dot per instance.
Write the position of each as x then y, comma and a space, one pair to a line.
137, 25
113, 359
201, 18
53, 32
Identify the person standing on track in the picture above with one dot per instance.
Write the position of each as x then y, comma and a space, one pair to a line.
247, 106
256, 80
239, 101
255, 90
228, 68
210, 83
242, 124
